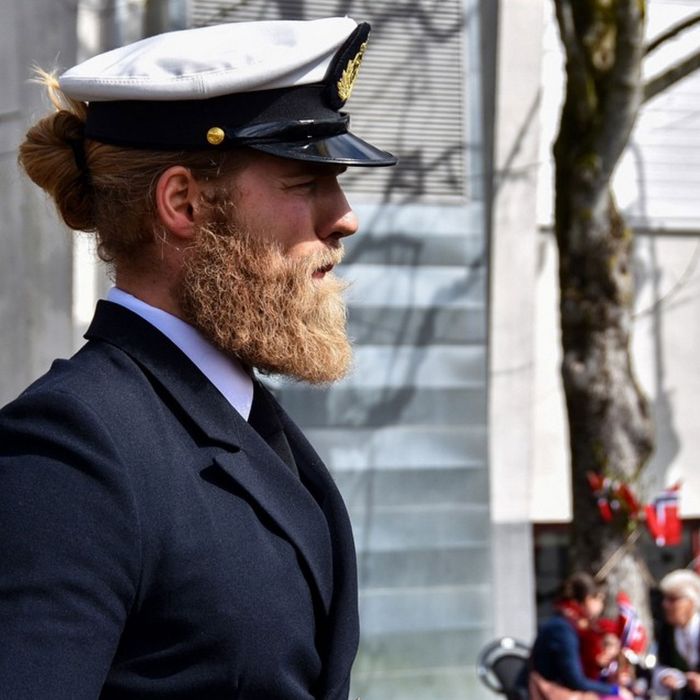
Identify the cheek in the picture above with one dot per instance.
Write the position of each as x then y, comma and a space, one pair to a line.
290, 226
688, 610
671, 613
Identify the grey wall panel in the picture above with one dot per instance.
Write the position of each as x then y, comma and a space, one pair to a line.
447, 366
381, 325
400, 447
351, 408
392, 528
416, 666
447, 566
432, 486
414, 245
386, 611
393, 653
416, 286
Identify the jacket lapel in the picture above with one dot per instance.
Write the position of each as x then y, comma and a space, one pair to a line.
258, 470
343, 626
248, 460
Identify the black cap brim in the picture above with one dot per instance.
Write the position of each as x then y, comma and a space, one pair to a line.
339, 149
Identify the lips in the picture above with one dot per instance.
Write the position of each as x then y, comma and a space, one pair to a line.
322, 271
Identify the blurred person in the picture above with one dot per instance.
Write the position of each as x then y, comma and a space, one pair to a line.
600, 649
556, 664
611, 649
678, 638
166, 531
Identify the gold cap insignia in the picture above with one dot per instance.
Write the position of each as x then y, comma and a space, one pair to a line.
215, 135
349, 74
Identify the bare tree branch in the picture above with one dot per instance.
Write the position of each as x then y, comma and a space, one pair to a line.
567, 27
671, 32
671, 76
576, 70
623, 90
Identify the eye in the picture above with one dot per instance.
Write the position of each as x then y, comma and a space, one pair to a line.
311, 181
303, 185
300, 183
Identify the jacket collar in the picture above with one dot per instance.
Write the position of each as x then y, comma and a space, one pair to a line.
163, 361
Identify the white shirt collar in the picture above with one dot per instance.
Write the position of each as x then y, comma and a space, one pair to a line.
223, 371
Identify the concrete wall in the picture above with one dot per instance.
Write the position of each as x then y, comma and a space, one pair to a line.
35, 265
511, 336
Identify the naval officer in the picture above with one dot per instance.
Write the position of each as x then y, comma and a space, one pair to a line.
166, 531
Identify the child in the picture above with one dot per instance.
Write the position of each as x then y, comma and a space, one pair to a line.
607, 647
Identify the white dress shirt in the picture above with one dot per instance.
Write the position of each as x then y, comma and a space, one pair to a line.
223, 371
687, 639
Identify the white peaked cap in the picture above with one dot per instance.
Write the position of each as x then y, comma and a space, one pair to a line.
276, 86
195, 64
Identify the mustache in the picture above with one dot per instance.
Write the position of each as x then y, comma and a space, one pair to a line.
321, 259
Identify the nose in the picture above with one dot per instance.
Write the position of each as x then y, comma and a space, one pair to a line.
341, 220
347, 224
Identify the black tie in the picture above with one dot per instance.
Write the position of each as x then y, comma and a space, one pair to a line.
264, 419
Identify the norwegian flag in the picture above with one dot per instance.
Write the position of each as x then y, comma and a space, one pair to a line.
632, 634
626, 495
600, 486
663, 520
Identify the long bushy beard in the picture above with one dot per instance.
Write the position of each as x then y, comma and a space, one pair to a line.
266, 309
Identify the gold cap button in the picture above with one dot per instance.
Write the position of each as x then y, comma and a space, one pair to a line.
215, 135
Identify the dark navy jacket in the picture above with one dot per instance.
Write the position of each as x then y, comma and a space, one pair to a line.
556, 655
153, 546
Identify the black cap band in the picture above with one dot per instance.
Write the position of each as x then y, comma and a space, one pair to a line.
289, 122
185, 124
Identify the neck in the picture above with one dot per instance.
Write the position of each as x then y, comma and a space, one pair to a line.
154, 288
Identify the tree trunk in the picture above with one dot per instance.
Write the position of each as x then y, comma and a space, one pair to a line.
609, 422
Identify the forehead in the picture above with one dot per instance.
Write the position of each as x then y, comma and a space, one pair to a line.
286, 167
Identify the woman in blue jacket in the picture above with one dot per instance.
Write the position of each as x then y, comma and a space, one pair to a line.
556, 653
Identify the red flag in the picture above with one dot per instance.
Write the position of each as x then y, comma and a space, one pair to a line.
632, 634
627, 496
600, 486
663, 520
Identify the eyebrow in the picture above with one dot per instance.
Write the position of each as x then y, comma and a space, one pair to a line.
311, 168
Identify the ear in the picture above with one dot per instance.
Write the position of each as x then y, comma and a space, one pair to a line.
177, 199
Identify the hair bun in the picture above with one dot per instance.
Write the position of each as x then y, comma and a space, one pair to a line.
53, 155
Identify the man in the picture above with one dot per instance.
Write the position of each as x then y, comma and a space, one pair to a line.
678, 638
165, 529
